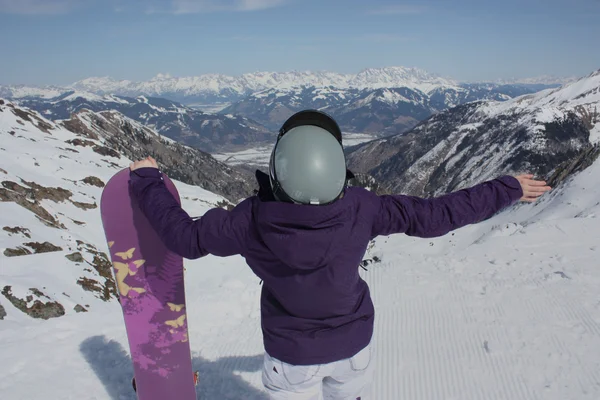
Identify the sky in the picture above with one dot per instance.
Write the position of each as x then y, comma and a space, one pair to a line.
59, 42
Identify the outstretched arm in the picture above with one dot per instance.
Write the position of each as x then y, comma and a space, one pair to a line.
433, 217
219, 232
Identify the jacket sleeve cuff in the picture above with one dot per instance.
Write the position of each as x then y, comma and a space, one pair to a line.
513, 186
145, 173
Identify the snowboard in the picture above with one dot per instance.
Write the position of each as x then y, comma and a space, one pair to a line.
151, 291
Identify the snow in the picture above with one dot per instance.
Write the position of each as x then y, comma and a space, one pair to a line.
505, 309
45, 92
258, 157
595, 134
87, 96
581, 97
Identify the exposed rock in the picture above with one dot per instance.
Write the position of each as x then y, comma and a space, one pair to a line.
91, 285
79, 309
92, 180
55, 194
3, 171
15, 187
45, 247
84, 206
75, 257
77, 126
21, 114
20, 195
33, 118
192, 166
106, 151
103, 267
462, 147
578, 163
16, 230
38, 293
81, 142
38, 309
195, 128
2, 310
19, 251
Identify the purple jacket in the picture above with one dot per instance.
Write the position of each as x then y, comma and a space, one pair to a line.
315, 308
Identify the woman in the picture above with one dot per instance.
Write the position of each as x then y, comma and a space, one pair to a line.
304, 234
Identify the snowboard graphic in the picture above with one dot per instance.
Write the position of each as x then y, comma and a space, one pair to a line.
151, 290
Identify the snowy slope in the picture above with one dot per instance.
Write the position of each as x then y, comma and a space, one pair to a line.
535, 133
186, 125
382, 111
581, 97
50, 191
506, 309
258, 157
24, 91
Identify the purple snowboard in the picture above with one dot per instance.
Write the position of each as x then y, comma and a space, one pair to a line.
150, 284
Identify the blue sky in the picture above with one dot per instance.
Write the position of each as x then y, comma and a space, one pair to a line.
62, 41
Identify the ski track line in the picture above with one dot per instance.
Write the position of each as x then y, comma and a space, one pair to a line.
431, 321
476, 339
573, 313
496, 335
590, 379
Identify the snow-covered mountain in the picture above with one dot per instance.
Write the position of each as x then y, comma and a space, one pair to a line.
208, 132
538, 80
504, 309
51, 178
186, 164
24, 91
534, 133
219, 88
380, 111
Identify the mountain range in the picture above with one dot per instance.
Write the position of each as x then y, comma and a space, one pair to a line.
381, 102
217, 88
541, 133
503, 309
205, 131
378, 111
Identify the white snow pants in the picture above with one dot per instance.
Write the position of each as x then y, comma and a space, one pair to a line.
348, 379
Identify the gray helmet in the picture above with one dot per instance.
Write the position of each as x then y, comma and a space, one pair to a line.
308, 165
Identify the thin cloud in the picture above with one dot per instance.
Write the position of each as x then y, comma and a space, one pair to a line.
399, 9
384, 38
206, 6
37, 7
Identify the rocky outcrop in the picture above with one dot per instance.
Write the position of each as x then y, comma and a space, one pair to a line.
135, 141
93, 181
35, 247
208, 132
30, 194
17, 230
103, 284
33, 305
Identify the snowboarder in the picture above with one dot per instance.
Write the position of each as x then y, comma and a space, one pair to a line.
304, 235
